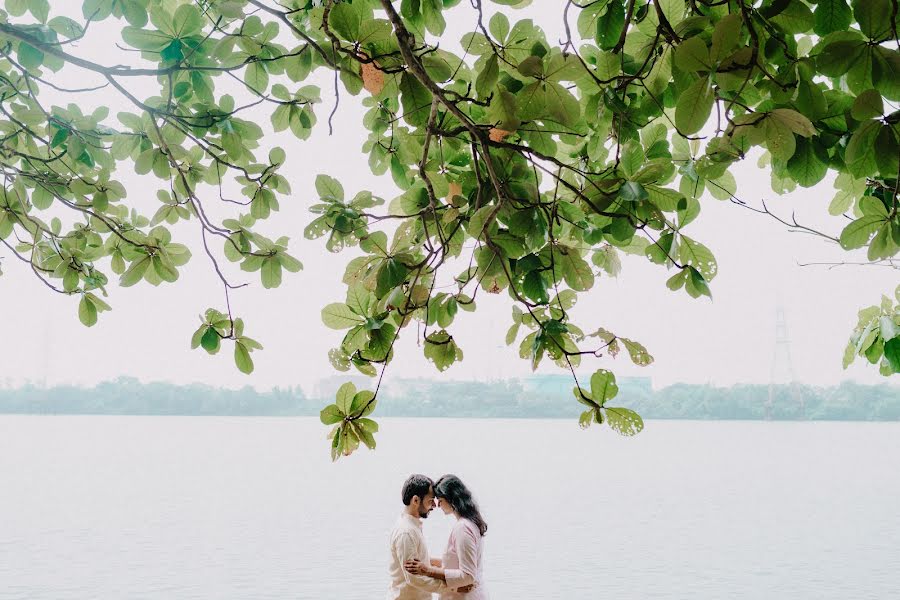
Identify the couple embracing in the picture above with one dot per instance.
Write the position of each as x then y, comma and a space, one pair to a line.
415, 575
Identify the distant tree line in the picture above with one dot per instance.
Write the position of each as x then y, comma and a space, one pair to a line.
128, 396
533, 397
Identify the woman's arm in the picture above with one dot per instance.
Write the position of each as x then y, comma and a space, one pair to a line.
436, 562
466, 542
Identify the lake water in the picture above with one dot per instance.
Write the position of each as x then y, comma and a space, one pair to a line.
241, 508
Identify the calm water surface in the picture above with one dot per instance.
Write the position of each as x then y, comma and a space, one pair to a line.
239, 508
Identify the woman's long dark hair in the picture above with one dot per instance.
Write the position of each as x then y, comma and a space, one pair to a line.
454, 491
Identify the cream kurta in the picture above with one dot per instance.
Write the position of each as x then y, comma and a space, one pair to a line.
408, 542
462, 562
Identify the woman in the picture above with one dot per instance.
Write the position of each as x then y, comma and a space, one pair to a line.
460, 566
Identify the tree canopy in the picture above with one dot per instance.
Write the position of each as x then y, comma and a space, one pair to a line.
526, 166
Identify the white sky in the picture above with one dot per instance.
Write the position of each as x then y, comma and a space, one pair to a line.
729, 339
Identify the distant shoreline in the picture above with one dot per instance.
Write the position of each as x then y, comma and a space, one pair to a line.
449, 417
536, 397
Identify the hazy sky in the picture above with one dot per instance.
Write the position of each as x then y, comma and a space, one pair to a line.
726, 340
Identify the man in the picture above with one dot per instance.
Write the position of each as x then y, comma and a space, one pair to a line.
408, 542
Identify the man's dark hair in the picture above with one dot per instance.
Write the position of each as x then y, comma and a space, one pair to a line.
416, 485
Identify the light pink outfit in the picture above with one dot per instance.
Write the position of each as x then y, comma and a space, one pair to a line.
462, 562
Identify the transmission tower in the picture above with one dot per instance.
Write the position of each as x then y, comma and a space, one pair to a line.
782, 370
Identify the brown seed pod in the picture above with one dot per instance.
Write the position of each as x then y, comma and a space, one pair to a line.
373, 78
497, 135
453, 190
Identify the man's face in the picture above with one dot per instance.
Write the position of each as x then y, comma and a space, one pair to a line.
427, 504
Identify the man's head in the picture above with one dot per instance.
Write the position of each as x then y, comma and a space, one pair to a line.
418, 495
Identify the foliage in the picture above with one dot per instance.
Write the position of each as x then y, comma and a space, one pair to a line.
521, 161
877, 336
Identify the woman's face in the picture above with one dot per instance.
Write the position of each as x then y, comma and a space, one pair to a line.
444, 506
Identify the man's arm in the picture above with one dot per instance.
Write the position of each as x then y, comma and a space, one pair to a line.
407, 549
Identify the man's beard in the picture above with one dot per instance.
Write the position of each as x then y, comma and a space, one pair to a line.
423, 513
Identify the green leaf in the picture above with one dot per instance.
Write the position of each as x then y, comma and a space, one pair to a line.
187, 20
726, 36
331, 414
696, 284
692, 55
391, 274
362, 403
858, 232
886, 72
836, 58
144, 39
532, 66
694, 107
665, 199
632, 192
673, 10
41, 198
210, 340
576, 272
624, 421
289, 263
862, 142
603, 386
257, 77
441, 349
637, 352
849, 191
415, 99
242, 358
339, 316
87, 312
434, 20
535, 288
832, 15
873, 17
364, 433
586, 419
699, 257
135, 272
610, 24
892, 354
886, 152
487, 78
779, 139
499, 26
796, 17
882, 246
380, 343
135, 13
40, 9
794, 121
805, 166
344, 397
504, 111
30, 57
329, 188
231, 142
360, 300
345, 20
271, 272
889, 329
